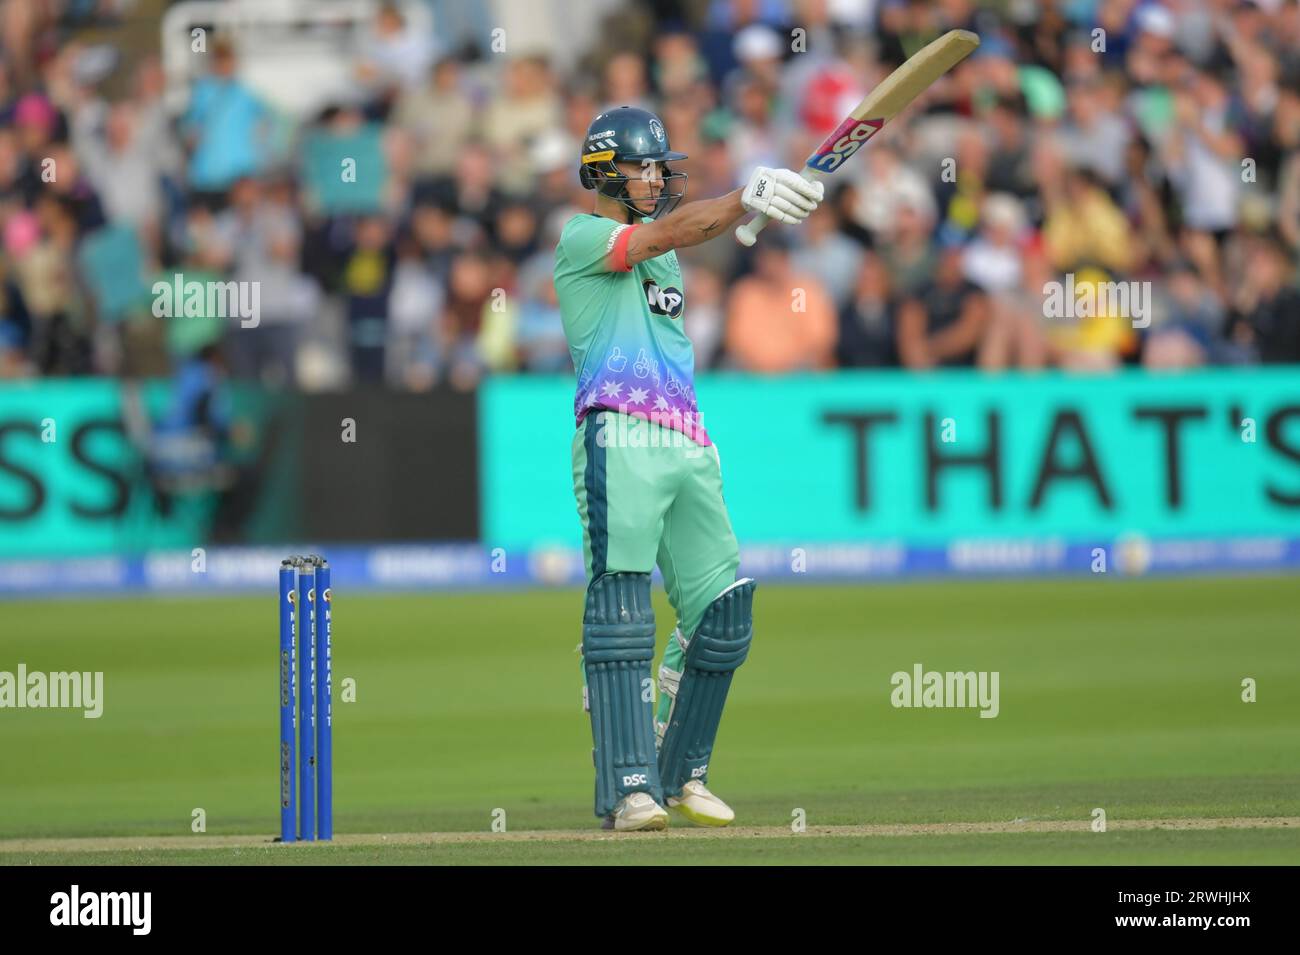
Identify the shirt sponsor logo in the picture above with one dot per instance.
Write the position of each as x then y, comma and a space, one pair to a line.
663, 301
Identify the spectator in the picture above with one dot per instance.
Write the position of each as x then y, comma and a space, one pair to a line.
36, 123
244, 228
679, 70
993, 261
908, 247
960, 197
1286, 132
1009, 167
514, 231
552, 157
367, 285
866, 323
1084, 227
471, 191
758, 50
70, 185
526, 106
288, 301
779, 320
1095, 136
1016, 336
888, 190
438, 117
1143, 196
434, 229
711, 174
542, 345
468, 298
1204, 154
121, 165
1100, 341
415, 347
227, 126
1267, 308
942, 322
625, 82
1191, 320
395, 55
497, 342
754, 138
705, 317
45, 277
825, 253
1070, 164
13, 358
726, 20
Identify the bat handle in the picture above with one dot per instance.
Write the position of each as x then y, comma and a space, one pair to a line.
747, 232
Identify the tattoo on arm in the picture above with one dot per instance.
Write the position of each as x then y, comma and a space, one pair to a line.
695, 223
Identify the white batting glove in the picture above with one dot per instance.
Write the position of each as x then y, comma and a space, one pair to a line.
781, 194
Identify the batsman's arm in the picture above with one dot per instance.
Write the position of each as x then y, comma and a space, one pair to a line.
692, 224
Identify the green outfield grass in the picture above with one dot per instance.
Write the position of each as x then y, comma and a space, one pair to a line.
1124, 695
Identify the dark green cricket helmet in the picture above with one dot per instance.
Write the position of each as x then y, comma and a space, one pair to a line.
629, 134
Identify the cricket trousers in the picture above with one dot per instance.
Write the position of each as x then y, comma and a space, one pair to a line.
650, 496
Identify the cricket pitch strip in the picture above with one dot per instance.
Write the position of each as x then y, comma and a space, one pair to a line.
139, 843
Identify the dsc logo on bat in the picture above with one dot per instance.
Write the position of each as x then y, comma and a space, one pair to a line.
843, 143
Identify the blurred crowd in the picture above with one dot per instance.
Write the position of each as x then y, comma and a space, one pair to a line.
406, 234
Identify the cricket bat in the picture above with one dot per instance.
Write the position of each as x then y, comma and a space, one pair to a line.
882, 104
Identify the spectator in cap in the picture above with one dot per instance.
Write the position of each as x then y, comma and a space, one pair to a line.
994, 258
758, 50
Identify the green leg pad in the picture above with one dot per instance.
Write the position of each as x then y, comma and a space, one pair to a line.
720, 645
618, 645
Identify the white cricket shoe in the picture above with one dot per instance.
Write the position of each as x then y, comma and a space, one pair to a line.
636, 812
700, 806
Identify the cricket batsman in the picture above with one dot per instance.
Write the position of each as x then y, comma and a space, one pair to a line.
646, 476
